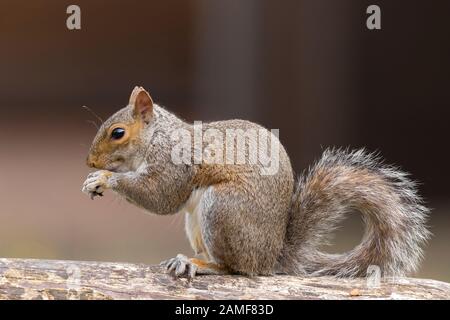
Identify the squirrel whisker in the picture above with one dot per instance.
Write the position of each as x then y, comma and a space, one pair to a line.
93, 123
93, 113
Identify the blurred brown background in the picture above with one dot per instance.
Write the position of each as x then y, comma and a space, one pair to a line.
310, 68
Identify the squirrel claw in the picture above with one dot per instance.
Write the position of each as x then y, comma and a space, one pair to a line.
180, 266
94, 194
96, 183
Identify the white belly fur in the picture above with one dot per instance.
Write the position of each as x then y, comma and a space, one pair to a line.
192, 210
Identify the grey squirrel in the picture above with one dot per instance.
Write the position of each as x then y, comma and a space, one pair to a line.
244, 222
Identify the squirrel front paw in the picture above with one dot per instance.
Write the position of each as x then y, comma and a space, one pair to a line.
97, 182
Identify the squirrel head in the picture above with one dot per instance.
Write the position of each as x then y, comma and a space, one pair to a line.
118, 142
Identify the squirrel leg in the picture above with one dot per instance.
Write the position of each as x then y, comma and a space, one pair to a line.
208, 268
182, 266
241, 231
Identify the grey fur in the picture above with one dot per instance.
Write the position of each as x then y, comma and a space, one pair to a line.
393, 213
254, 224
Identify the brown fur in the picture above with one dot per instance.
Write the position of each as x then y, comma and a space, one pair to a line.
261, 224
207, 265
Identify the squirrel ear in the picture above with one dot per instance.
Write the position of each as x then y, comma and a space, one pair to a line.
142, 103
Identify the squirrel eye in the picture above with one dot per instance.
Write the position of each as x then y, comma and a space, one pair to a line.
117, 133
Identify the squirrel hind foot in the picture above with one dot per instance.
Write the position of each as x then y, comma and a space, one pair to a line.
183, 267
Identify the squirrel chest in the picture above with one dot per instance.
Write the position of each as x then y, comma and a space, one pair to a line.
193, 210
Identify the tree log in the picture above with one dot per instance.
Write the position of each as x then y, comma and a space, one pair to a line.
48, 279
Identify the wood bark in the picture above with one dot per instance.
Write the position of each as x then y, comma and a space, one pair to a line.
53, 279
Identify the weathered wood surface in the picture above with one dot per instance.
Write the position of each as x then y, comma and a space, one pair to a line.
47, 279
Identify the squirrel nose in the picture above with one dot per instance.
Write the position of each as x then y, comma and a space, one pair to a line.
90, 162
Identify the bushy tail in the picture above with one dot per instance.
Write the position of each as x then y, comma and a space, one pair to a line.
392, 211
